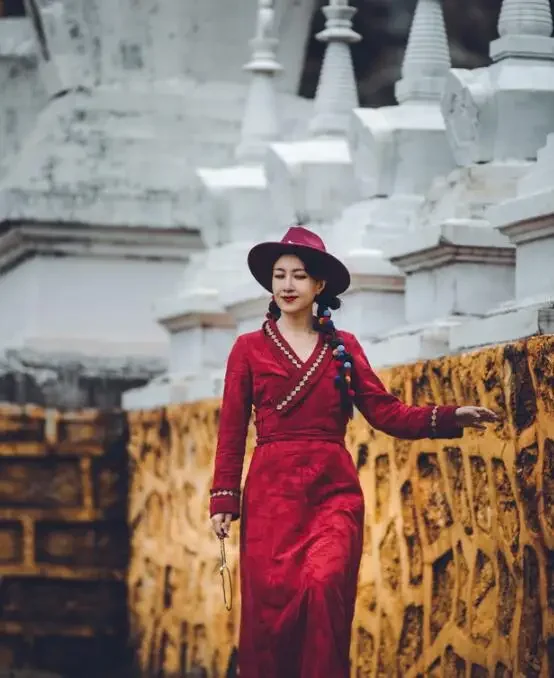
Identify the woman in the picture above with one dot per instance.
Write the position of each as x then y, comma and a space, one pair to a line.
302, 507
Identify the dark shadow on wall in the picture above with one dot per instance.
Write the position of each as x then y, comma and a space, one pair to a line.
156, 670
11, 8
384, 26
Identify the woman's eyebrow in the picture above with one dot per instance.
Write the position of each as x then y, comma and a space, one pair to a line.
294, 270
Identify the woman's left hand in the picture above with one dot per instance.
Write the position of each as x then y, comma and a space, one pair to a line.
475, 417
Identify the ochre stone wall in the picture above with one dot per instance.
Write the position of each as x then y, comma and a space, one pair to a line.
457, 577
63, 542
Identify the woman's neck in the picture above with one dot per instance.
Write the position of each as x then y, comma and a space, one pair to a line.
296, 323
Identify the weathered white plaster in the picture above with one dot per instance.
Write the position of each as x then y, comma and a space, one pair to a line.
457, 271
483, 111
86, 305
22, 93
527, 220
118, 156
165, 39
336, 94
387, 146
312, 180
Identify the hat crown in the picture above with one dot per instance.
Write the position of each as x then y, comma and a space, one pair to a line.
298, 235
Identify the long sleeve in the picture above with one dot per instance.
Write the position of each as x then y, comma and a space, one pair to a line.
387, 413
234, 417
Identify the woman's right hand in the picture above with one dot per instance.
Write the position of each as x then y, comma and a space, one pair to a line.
221, 522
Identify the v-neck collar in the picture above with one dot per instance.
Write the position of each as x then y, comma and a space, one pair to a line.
287, 349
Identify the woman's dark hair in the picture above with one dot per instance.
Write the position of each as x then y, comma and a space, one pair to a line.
322, 322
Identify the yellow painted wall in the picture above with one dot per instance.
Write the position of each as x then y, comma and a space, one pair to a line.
457, 577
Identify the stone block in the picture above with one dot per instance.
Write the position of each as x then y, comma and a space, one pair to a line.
233, 203
483, 108
99, 655
40, 483
310, 180
11, 542
81, 545
88, 432
36, 601
22, 426
109, 483
13, 652
468, 193
387, 145
454, 270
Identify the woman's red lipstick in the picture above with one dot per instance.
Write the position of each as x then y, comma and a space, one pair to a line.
289, 299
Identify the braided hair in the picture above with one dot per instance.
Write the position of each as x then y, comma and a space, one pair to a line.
322, 323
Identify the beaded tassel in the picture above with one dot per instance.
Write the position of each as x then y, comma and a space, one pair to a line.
343, 380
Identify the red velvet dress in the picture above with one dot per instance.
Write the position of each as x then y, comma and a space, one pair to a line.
302, 506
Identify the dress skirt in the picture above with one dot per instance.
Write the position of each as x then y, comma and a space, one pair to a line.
301, 545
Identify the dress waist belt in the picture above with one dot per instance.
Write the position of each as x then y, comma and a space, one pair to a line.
291, 436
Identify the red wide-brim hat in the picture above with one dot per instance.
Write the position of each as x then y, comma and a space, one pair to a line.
300, 241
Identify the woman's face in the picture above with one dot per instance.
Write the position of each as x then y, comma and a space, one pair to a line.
294, 290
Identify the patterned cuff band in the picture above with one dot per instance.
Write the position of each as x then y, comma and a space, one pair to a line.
225, 493
434, 420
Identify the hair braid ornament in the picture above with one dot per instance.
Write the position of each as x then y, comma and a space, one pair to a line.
343, 380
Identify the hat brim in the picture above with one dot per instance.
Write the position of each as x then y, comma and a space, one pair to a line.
262, 257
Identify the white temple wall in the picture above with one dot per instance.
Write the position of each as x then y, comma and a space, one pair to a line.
534, 267
457, 289
85, 305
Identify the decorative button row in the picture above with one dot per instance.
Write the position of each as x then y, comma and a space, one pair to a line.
283, 348
225, 493
434, 419
304, 379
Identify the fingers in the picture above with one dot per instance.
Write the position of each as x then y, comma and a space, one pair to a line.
487, 415
221, 523
217, 525
226, 524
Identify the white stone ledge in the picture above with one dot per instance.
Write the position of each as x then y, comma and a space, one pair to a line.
412, 343
174, 389
454, 241
529, 217
93, 359
153, 395
539, 47
21, 240
511, 325
369, 269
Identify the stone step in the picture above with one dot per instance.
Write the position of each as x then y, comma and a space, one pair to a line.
511, 325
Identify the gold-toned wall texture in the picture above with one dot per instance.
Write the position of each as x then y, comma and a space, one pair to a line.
457, 577
63, 542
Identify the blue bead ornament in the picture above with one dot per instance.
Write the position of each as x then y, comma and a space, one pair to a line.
327, 313
347, 365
